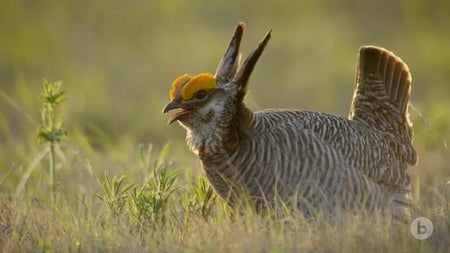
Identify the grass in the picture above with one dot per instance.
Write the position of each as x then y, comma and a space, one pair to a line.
157, 213
126, 220
103, 188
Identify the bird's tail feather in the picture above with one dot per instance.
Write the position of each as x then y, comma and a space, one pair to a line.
381, 97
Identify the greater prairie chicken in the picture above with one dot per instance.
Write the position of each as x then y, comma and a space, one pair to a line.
315, 161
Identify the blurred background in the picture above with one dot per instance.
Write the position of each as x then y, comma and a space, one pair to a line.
117, 59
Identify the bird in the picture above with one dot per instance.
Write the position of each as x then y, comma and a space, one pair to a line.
312, 161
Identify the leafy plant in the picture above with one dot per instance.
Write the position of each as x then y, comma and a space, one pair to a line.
50, 133
203, 200
51, 130
147, 202
151, 200
115, 193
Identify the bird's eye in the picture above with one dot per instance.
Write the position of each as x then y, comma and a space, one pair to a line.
201, 94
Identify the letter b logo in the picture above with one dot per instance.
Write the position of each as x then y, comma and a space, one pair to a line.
421, 228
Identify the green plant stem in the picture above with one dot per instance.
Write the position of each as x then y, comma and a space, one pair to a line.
52, 171
52, 120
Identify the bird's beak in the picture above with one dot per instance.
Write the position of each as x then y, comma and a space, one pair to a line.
170, 106
174, 105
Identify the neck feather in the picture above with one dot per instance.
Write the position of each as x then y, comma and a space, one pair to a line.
222, 134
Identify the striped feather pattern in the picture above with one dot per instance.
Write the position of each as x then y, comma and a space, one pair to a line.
311, 160
301, 153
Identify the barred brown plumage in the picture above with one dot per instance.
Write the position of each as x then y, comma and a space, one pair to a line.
313, 160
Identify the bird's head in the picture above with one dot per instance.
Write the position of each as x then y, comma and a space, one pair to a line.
212, 99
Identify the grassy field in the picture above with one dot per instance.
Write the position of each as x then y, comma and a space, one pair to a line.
91, 170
